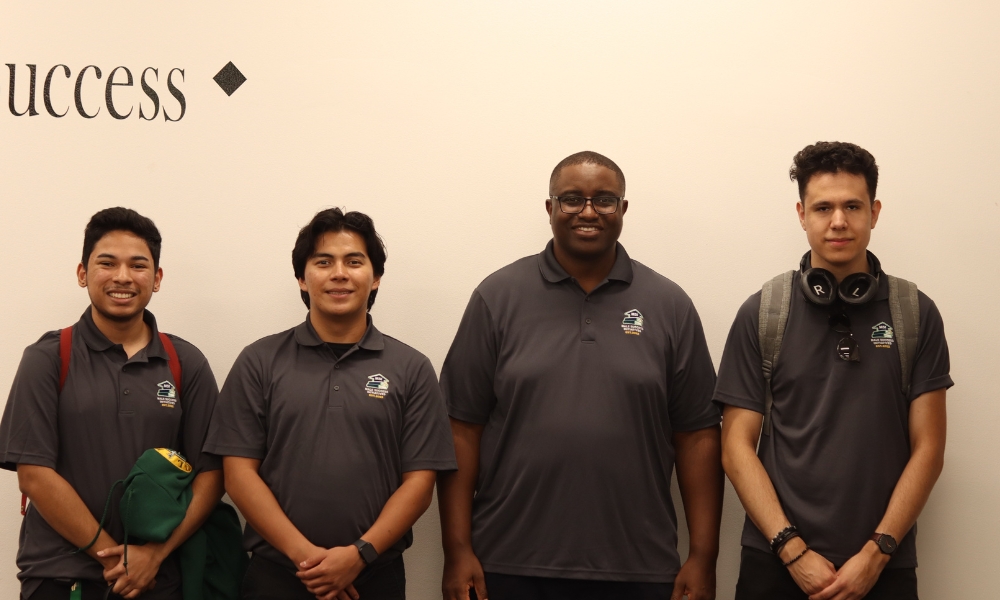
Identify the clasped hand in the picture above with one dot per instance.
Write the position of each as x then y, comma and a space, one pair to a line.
330, 574
143, 565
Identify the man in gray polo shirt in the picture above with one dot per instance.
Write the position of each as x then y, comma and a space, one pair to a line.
70, 440
577, 378
850, 457
331, 432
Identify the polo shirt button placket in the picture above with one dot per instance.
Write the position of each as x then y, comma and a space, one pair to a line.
587, 330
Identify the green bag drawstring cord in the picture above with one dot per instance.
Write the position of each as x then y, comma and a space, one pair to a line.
104, 516
127, 501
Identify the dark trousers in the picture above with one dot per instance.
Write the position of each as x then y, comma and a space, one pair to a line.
168, 586
520, 587
54, 589
267, 580
763, 577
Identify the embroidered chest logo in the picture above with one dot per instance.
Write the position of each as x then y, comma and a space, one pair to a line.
166, 394
882, 335
377, 386
632, 323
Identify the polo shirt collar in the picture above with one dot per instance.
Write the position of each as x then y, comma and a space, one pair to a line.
553, 272
305, 335
98, 342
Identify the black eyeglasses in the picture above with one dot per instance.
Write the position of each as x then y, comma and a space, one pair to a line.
572, 205
847, 347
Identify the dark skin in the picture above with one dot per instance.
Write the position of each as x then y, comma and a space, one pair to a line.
584, 243
462, 570
585, 246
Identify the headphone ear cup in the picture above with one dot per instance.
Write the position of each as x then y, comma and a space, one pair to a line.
858, 288
819, 286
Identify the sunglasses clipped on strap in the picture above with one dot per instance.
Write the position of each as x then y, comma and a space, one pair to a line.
847, 347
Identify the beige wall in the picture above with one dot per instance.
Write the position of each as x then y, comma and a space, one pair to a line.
443, 119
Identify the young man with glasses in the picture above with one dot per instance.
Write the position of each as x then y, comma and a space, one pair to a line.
849, 446
577, 379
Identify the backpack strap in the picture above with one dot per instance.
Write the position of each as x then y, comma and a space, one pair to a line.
775, 298
904, 307
65, 350
173, 361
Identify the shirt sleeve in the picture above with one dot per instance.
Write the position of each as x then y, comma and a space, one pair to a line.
426, 438
467, 376
29, 431
239, 422
741, 380
689, 390
199, 393
931, 363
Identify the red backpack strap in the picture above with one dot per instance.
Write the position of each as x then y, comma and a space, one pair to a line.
174, 362
65, 350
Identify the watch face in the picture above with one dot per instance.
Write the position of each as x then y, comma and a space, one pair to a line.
886, 543
367, 551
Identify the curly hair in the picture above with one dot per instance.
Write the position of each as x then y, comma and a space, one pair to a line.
833, 157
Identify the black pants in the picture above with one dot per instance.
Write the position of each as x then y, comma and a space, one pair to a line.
168, 587
267, 580
54, 589
519, 587
763, 577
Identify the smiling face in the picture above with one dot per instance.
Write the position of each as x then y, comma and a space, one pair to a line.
338, 278
119, 277
838, 217
586, 236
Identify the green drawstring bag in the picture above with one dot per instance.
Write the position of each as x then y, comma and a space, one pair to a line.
156, 498
155, 501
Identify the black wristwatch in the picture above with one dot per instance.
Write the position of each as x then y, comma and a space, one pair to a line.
367, 551
886, 543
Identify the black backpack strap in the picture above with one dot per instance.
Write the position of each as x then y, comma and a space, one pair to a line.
904, 307
775, 298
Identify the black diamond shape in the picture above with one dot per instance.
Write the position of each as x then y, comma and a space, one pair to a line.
229, 78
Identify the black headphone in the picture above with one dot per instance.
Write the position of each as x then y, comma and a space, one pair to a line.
820, 286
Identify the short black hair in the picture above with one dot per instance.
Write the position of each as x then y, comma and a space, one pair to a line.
121, 219
832, 157
583, 158
334, 219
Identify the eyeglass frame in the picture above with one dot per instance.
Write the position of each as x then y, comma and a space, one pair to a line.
848, 348
559, 200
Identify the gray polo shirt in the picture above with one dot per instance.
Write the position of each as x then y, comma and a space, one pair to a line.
92, 433
840, 436
334, 436
580, 395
